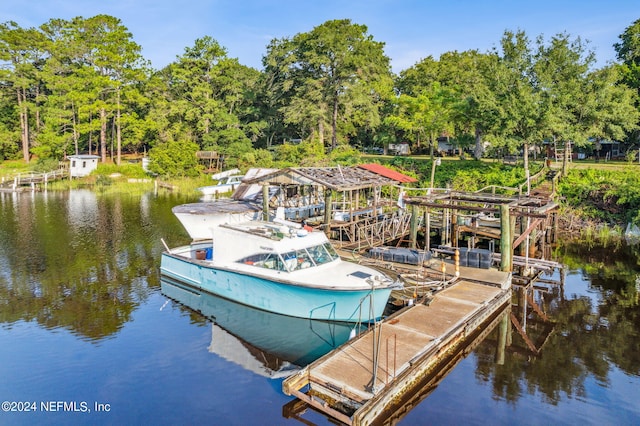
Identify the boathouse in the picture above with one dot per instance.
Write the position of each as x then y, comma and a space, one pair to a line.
82, 165
357, 206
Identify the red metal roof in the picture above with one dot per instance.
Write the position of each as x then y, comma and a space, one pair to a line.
388, 173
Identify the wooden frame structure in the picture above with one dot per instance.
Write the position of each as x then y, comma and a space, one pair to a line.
356, 206
212, 160
515, 221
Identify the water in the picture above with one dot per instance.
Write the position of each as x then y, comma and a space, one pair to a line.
89, 334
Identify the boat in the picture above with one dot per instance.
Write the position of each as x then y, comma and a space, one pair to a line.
199, 219
267, 344
281, 267
245, 204
228, 181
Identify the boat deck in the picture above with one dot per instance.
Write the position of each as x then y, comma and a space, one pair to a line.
345, 384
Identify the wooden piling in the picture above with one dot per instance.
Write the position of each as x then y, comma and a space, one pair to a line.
427, 229
414, 225
502, 340
327, 211
506, 250
265, 202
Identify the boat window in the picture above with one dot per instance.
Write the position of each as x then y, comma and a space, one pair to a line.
304, 260
265, 260
298, 259
319, 254
290, 260
293, 260
332, 252
322, 253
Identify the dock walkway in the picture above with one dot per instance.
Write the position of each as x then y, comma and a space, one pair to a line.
27, 180
344, 383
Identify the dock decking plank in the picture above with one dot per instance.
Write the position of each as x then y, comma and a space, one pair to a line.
417, 333
353, 367
409, 333
469, 291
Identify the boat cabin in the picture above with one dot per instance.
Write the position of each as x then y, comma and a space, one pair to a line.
273, 245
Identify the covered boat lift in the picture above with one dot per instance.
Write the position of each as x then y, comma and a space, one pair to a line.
349, 203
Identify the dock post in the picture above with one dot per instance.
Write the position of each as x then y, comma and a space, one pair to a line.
427, 230
506, 250
414, 225
456, 258
444, 227
522, 229
265, 202
327, 211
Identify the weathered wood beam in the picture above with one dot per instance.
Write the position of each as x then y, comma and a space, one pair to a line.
527, 231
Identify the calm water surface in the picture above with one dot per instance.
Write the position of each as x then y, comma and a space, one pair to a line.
89, 334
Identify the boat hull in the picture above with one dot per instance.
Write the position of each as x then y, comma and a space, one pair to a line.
281, 297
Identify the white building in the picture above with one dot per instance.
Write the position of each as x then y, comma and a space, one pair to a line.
82, 165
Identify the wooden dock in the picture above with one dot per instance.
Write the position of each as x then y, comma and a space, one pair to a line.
356, 382
29, 180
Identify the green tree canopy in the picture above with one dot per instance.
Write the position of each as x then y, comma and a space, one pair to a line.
334, 74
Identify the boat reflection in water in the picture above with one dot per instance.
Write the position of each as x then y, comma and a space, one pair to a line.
268, 344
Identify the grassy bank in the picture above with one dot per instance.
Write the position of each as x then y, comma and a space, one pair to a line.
610, 196
597, 200
126, 178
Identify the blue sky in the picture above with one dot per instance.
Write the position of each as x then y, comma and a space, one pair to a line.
410, 29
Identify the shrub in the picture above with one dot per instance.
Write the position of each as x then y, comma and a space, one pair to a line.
174, 159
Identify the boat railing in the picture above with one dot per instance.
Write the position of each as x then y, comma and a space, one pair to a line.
332, 312
394, 336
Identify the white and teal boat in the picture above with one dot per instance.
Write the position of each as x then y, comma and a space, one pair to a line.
280, 267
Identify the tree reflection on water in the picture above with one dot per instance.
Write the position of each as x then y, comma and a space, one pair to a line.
85, 262
596, 326
79, 260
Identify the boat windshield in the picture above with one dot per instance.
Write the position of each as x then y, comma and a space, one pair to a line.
294, 260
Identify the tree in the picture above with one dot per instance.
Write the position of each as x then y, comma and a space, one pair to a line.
109, 58
9, 148
609, 105
22, 50
276, 81
561, 70
174, 159
421, 75
206, 92
427, 115
628, 52
467, 78
522, 114
470, 75
93, 69
335, 74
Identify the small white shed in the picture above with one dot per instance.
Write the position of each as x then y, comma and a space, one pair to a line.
82, 165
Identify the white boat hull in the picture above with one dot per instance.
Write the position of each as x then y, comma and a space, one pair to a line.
279, 293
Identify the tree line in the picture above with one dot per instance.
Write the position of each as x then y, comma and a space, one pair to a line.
83, 86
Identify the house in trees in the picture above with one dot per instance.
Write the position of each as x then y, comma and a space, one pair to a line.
82, 165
